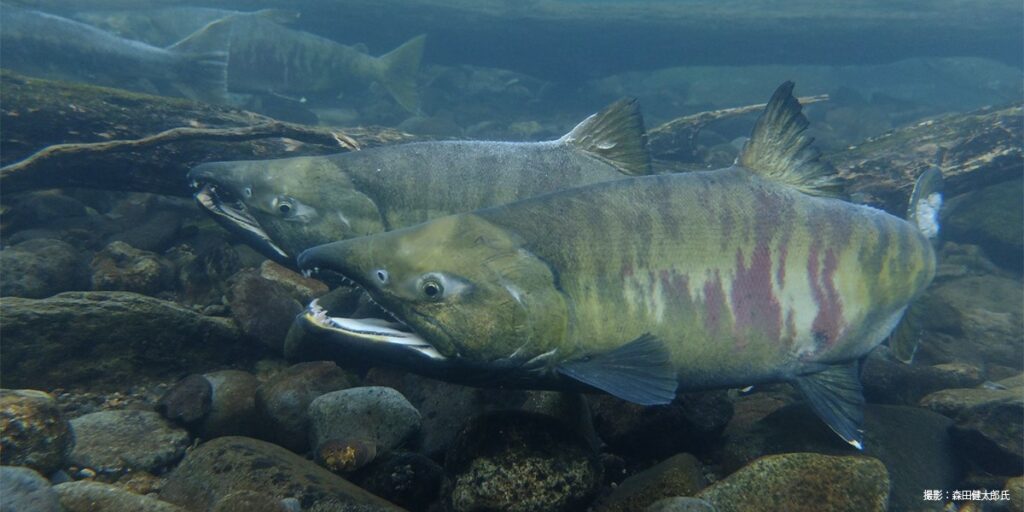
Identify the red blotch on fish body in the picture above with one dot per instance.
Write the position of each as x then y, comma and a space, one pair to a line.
714, 304
828, 323
675, 286
755, 308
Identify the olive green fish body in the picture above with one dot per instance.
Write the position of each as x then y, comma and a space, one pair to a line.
744, 280
637, 287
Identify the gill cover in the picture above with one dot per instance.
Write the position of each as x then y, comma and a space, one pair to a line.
512, 308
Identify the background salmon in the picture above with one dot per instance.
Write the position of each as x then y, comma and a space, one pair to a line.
285, 206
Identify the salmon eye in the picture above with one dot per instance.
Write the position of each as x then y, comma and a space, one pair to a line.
382, 276
284, 208
432, 289
247, 192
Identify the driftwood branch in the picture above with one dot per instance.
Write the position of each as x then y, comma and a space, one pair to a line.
272, 129
116, 140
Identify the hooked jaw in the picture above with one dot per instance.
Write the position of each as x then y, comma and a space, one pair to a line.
391, 332
231, 212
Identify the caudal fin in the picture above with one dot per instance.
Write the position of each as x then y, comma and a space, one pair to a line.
204, 67
398, 70
779, 149
923, 212
615, 135
925, 202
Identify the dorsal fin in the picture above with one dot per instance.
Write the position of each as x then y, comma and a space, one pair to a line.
615, 135
779, 150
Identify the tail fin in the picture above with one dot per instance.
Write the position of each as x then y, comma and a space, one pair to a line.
398, 70
923, 212
615, 135
204, 54
779, 150
925, 202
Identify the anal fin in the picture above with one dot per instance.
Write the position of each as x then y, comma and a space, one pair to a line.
639, 371
837, 397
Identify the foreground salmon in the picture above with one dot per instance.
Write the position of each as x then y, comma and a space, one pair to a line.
643, 286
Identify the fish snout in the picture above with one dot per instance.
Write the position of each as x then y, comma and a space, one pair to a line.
201, 175
330, 256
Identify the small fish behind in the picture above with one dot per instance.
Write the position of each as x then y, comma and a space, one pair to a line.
49, 46
268, 58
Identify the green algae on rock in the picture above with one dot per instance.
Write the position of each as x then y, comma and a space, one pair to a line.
803, 482
33, 432
231, 464
99, 337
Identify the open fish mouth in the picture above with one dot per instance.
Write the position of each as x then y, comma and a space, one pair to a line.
390, 331
234, 216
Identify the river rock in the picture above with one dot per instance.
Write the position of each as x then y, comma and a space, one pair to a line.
888, 380
204, 268
41, 208
231, 464
302, 288
679, 475
410, 480
974, 319
1015, 486
799, 482
263, 308
445, 408
120, 266
85, 496
283, 401
187, 402
377, 415
914, 445
518, 462
689, 424
104, 337
680, 504
39, 268
990, 217
232, 406
33, 432
250, 501
989, 425
156, 231
114, 442
22, 489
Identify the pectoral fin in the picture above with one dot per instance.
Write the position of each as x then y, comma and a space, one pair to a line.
640, 372
837, 397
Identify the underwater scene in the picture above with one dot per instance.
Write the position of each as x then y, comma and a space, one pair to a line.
498, 255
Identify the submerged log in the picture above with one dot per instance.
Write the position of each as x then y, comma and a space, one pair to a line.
972, 150
58, 134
